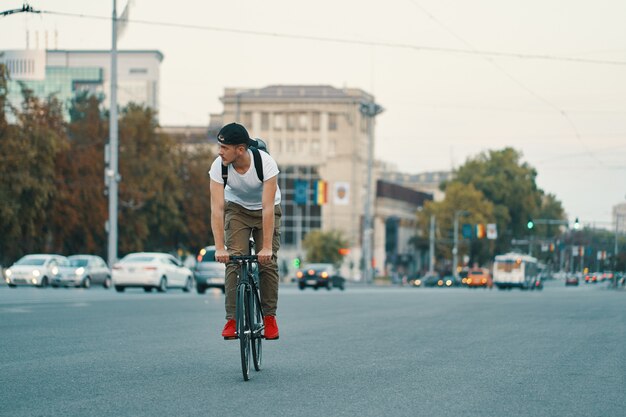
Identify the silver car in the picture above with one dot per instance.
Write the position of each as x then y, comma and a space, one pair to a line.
84, 271
35, 270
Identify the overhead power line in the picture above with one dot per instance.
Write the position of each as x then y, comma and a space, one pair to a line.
348, 41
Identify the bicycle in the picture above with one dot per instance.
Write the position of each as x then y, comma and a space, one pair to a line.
249, 313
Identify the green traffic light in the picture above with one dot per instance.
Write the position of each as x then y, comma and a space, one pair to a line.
530, 224
296, 262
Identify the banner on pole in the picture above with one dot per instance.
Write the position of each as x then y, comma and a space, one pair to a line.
341, 193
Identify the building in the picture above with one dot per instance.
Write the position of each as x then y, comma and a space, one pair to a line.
427, 182
64, 73
319, 139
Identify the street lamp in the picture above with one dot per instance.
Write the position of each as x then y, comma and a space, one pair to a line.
369, 109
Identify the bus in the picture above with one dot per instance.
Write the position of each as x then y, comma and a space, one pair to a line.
516, 270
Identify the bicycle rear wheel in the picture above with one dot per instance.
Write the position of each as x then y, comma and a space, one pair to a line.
256, 320
243, 329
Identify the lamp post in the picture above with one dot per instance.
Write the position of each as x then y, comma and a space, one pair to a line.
112, 175
369, 110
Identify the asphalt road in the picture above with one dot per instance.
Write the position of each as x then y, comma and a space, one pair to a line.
362, 352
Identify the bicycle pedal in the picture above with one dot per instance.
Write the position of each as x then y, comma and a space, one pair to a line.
231, 338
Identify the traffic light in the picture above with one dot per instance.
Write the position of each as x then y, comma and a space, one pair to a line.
576, 224
296, 262
530, 224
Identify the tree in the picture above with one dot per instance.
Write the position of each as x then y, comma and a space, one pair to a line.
459, 197
324, 246
196, 200
150, 191
510, 185
80, 211
28, 176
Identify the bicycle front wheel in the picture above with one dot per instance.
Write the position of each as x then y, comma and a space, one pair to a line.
243, 329
256, 321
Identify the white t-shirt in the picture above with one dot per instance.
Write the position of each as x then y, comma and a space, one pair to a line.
246, 190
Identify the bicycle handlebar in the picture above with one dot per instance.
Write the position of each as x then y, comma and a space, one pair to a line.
240, 258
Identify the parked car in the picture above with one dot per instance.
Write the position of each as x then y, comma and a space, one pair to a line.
430, 280
84, 271
319, 275
209, 273
448, 281
38, 270
479, 278
592, 277
150, 270
571, 280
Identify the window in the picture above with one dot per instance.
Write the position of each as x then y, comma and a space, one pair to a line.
332, 145
278, 146
302, 146
247, 120
332, 121
278, 121
291, 148
302, 121
315, 121
315, 146
363, 124
291, 121
265, 121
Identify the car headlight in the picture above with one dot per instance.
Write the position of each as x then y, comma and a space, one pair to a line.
34, 281
448, 283
36, 273
80, 271
55, 270
418, 282
8, 272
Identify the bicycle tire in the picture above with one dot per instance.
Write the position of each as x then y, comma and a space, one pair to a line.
243, 329
256, 320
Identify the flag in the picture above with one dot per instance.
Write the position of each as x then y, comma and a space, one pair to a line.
320, 192
123, 19
301, 191
492, 231
341, 193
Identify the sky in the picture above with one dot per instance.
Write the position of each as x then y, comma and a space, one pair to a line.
556, 90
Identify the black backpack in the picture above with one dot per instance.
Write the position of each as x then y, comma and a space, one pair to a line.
255, 145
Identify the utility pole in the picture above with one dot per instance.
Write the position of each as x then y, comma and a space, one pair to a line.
431, 252
112, 176
455, 249
368, 110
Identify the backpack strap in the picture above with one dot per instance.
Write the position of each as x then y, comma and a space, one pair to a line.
225, 174
258, 163
258, 166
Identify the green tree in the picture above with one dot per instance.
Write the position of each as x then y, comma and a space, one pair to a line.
510, 185
324, 246
459, 198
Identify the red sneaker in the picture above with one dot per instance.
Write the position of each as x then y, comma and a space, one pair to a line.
271, 328
230, 330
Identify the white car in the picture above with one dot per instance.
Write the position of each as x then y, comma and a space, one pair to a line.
38, 270
150, 270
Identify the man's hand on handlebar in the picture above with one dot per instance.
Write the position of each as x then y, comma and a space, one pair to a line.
265, 256
221, 255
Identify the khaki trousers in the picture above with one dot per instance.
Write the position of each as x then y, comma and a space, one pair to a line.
238, 222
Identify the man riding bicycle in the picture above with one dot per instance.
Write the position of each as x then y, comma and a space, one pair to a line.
243, 201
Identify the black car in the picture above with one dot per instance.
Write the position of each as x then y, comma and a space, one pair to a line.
322, 275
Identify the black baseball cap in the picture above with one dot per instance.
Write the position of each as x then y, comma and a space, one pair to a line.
233, 134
